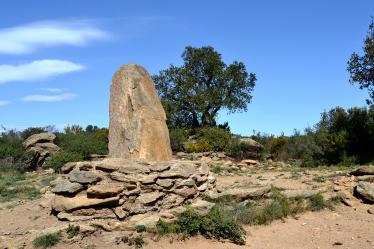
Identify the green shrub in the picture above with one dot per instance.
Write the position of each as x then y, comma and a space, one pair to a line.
82, 144
141, 228
137, 241
59, 159
218, 138
177, 139
219, 223
72, 231
202, 145
46, 240
317, 202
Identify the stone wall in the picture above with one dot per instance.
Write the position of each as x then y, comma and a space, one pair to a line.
121, 188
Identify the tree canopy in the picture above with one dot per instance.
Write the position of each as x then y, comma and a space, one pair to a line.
195, 92
361, 68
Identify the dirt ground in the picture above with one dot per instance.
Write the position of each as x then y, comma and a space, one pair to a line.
345, 227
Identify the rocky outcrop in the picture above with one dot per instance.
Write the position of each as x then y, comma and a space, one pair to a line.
38, 148
137, 126
365, 170
123, 188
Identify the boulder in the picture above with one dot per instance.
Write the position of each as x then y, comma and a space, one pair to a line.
68, 187
137, 127
365, 170
252, 143
44, 137
365, 190
38, 148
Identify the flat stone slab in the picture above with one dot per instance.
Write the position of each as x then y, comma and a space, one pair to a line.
149, 198
365, 170
244, 193
84, 177
105, 190
66, 186
183, 170
61, 203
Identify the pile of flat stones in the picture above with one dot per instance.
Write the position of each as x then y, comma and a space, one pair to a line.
215, 156
129, 189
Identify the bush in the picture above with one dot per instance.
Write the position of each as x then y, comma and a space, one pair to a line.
59, 159
72, 231
218, 224
85, 145
177, 139
202, 145
46, 240
218, 138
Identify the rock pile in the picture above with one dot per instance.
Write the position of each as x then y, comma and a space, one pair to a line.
128, 189
38, 148
365, 186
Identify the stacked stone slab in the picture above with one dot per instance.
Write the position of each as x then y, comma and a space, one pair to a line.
120, 188
38, 148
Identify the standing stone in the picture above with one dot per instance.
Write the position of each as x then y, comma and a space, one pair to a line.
137, 126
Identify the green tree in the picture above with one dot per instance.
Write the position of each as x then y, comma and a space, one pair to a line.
195, 92
361, 68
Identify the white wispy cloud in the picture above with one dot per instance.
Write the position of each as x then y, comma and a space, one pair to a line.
30, 37
4, 103
51, 90
48, 98
36, 70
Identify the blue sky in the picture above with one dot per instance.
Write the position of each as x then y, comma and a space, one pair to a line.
57, 60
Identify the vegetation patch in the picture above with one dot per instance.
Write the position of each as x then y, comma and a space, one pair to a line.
12, 186
72, 231
46, 240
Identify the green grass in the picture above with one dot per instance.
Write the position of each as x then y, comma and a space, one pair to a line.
46, 240
15, 186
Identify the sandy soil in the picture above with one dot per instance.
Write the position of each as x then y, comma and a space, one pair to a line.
346, 227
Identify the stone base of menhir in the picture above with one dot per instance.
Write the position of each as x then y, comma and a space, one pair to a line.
131, 192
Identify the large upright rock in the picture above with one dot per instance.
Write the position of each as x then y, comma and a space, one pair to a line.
137, 126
